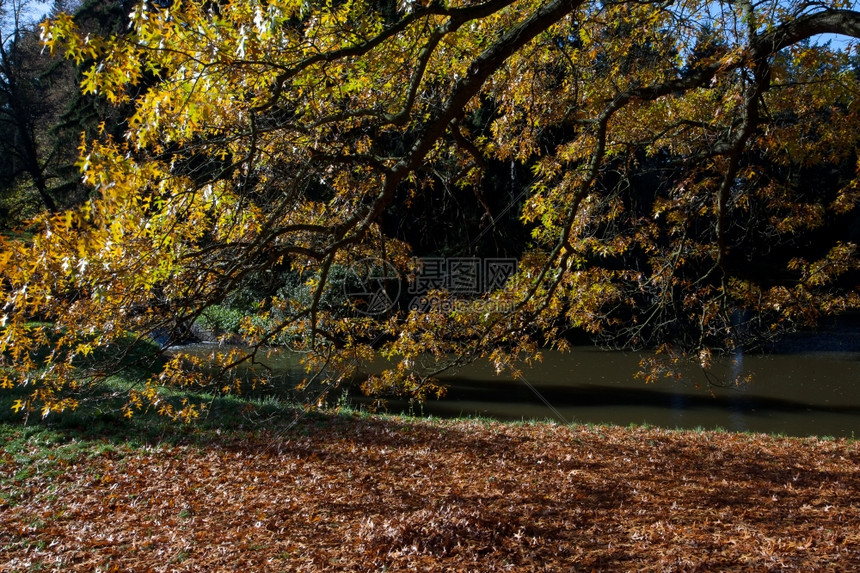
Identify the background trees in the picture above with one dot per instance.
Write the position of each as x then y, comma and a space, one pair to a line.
33, 91
43, 114
664, 161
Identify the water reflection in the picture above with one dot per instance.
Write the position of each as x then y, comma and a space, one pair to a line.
792, 393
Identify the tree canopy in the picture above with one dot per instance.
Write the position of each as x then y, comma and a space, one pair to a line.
32, 94
673, 175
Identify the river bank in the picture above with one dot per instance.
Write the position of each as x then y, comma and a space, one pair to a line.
792, 393
361, 493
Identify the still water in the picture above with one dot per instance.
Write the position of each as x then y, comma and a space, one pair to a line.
810, 387
795, 394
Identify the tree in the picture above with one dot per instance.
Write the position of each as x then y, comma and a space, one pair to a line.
661, 140
43, 114
37, 170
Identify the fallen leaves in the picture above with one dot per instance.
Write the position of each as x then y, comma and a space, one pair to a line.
367, 494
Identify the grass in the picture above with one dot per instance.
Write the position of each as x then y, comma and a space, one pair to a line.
262, 484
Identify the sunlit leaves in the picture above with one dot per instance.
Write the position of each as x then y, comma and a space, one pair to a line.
662, 145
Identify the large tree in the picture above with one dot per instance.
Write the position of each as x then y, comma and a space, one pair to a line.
43, 114
662, 160
32, 93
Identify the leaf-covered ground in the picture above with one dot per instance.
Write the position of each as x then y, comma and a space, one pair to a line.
368, 494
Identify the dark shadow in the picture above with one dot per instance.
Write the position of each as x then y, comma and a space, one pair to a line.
490, 392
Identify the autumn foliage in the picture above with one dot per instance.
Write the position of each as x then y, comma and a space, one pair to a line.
669, 148
399, 495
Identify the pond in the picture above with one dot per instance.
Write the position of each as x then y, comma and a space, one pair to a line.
809, 385
795, 394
